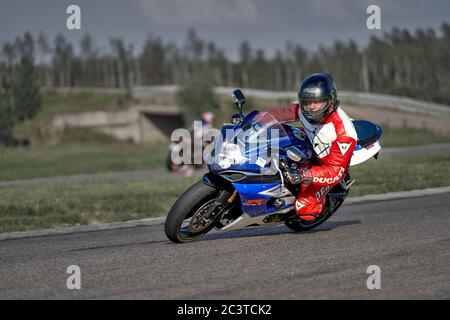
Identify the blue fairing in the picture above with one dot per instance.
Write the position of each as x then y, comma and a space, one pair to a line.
252, 201
248, 192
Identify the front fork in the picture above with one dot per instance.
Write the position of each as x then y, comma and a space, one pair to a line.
222, 202
226, 195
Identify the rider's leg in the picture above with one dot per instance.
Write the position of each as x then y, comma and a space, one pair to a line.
311, 200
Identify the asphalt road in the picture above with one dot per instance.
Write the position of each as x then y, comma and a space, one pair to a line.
408, 239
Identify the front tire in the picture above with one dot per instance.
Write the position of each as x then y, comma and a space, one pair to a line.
188, 205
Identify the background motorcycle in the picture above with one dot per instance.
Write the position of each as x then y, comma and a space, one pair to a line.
176, 148
238, 193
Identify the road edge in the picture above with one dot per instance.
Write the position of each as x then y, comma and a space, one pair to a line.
160, 220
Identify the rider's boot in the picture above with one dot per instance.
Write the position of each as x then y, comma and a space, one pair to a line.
309, 209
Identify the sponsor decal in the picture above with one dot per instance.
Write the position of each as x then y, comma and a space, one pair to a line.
312, 91
322, 192
256, 202
330, 180
344, 147
298, 205
261, 162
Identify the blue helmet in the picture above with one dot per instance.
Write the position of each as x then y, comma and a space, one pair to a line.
318, 87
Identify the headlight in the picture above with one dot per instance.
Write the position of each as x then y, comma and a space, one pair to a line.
229, 154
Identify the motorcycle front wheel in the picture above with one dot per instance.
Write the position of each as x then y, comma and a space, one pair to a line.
185, 221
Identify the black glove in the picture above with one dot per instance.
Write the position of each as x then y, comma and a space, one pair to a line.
293, 176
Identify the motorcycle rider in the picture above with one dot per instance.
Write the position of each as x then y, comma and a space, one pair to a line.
332, 136
204, 124
197, 132
207, 119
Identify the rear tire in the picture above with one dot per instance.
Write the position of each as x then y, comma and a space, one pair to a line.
184, 208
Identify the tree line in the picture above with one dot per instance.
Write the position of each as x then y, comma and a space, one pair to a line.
400, 62
20, 97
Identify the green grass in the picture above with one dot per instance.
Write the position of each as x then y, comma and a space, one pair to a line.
62, 205
79, 158
69, 204
55, 100
400, 137
400, 174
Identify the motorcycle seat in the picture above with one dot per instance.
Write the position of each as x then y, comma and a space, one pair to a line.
367, 132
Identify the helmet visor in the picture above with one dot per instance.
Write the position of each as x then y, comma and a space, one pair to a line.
311, 105
314, 110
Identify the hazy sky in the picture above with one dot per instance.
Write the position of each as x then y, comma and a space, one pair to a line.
266, 24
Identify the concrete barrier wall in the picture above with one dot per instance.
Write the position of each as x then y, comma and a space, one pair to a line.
127, 124
136, 123
381, 101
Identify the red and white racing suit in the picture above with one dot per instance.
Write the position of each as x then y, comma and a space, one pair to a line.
333, 141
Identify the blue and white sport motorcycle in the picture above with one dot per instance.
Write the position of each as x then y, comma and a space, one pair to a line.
248, 166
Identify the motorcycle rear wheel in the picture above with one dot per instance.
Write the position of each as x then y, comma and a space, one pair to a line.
298, 225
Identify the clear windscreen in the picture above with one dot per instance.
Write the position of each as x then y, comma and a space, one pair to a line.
251, 145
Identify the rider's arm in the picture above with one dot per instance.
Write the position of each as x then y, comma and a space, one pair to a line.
334, 167
286, 114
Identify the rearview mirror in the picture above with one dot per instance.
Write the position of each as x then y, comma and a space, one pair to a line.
238, 97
